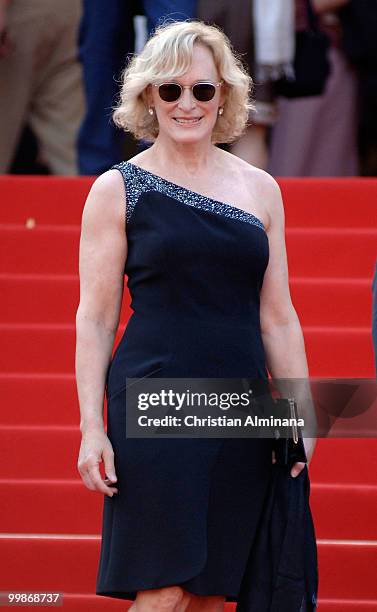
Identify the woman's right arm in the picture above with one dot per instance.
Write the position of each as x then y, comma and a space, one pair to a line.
102, 256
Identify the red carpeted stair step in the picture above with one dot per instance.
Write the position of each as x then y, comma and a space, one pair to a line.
38, 399
339, 351
27, 348
40, 452
34, 298
44, 199
69, 564
329, 202
339, 511
344, 252
345, 461
337, 302
347, 605
47, 249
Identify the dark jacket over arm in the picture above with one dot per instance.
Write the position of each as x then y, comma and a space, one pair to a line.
282, 571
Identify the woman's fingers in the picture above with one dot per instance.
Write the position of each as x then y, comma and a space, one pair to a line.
297, 468
87, 481
99, 484
108, 460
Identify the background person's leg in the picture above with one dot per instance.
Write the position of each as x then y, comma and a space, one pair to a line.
17, 71
57, 107
106, 37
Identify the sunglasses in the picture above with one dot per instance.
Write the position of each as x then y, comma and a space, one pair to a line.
202, 91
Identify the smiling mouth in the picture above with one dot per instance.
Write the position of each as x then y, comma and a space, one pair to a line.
191, 121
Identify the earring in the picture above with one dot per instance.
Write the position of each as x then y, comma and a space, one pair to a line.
221, 110
150, 110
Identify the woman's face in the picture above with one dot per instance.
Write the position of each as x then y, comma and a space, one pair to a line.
171, 116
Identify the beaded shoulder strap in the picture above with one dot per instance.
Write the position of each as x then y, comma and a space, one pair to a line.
132, 185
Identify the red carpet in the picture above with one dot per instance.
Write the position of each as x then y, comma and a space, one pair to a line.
50, 521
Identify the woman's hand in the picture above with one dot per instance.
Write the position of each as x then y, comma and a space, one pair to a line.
309, 445
297, 468
95, 448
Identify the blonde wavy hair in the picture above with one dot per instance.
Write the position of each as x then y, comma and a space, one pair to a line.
168, 54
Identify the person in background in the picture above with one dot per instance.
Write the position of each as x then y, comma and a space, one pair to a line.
359, 42
40, 80
246, 26
107, 39
317, 135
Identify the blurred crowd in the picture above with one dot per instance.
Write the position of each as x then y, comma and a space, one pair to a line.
313, 63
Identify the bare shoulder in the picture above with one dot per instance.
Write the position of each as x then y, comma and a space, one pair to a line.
106, 200
108, 184
260, 179
264, 181
267, 186
269, 193
262, 188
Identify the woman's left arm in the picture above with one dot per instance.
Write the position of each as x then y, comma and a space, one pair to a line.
281, 330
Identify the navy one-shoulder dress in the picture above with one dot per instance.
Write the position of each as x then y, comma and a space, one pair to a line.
187, 510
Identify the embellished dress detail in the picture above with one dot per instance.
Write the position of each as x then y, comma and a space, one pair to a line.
140, 180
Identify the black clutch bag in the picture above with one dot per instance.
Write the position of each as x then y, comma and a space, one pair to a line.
288, 445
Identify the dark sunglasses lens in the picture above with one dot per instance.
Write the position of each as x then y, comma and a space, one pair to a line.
204, 92
169, 92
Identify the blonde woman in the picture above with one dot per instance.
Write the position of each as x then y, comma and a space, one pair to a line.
200, 235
